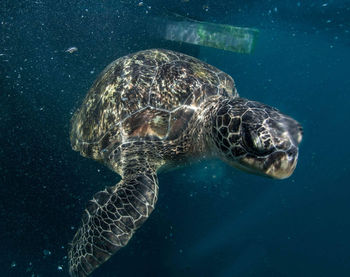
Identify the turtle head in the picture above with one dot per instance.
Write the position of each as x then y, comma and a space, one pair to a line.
256, 138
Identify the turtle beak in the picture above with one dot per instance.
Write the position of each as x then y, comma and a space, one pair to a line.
279, 165
282, 165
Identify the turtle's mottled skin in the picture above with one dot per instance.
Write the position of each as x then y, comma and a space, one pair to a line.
158, 108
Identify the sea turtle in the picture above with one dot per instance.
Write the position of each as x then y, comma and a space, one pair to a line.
158, 108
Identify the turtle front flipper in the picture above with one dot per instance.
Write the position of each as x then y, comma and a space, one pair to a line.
111, 218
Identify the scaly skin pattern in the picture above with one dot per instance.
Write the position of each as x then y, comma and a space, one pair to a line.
113, 214
157, 109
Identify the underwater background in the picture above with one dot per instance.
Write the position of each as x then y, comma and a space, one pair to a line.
210, 219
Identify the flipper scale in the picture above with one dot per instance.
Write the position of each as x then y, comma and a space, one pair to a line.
111, 218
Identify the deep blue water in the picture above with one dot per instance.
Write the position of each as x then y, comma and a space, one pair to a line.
211, 220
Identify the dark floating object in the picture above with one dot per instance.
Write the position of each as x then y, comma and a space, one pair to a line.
221, 36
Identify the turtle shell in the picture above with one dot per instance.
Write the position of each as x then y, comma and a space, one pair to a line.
149, 94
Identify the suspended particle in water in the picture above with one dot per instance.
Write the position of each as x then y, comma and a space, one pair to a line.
71, 50
13, 264
46, 252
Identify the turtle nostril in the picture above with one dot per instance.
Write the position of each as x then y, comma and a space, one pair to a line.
300, 134
301, 130
296, 134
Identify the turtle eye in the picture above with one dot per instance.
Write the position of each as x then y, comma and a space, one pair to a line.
254, 144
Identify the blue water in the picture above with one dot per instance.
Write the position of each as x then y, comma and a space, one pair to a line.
211, 220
